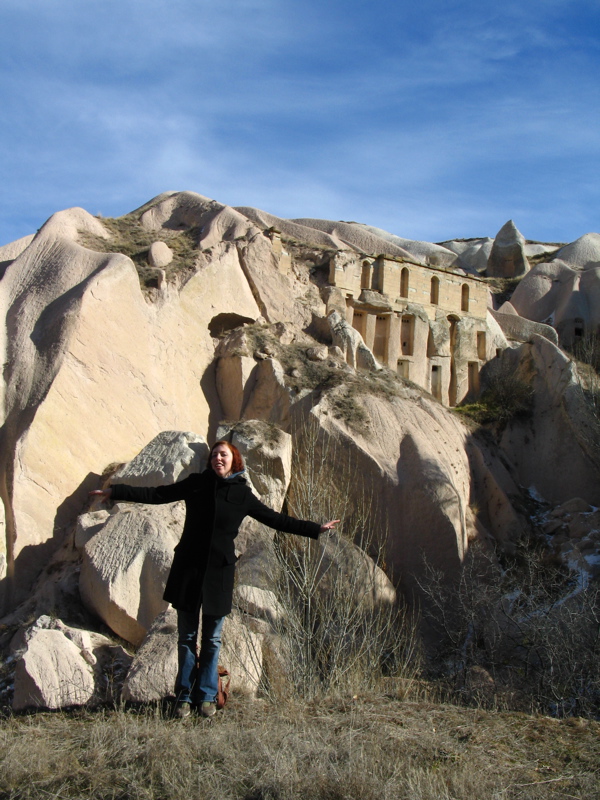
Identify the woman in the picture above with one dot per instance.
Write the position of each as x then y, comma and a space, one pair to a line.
203, 569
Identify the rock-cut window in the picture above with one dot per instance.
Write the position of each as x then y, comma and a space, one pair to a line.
404, 276
464, 297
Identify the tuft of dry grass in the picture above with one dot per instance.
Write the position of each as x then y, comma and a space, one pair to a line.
355, 747
129, 237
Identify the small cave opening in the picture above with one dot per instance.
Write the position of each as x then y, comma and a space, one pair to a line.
223, 323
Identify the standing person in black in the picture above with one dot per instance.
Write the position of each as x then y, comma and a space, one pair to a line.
203, 569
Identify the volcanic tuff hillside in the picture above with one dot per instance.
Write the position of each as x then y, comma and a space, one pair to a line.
187, 312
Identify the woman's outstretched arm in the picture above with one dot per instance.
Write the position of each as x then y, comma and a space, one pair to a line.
154, 495
282, 522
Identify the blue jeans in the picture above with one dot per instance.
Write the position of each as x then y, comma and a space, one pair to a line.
198, 685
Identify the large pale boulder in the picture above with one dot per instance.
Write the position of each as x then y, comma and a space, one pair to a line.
58, 666
473, 254
521, 329
281, 296
267, 453
344, 564
127, 554
242, 655
170, 457
337, 570
159, 255
126, 564
257, 602
249, 378
52, 674
258, 565
89, 525
545, 288
476, 257
154, 669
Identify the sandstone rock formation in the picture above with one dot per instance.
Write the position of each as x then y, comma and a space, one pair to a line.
127, 554
154, 667
59, 666
125, 567
354, 350
583, 252
246, 324
521, 329
159, 255
561, 433
563, 296
170, 457
260, 603
411, 456
343, 563
79, 332
154, 360
473, 254
507, 257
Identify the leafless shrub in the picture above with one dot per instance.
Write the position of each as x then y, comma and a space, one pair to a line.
532, 625
341, 627
587, 351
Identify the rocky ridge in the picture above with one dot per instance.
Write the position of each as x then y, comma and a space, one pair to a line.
110, 358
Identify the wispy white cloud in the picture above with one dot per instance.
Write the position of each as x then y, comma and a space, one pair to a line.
418, 120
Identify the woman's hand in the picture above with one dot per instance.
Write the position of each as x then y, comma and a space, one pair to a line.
329, 526
101, 494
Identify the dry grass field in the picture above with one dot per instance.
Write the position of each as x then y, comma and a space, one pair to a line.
361, 747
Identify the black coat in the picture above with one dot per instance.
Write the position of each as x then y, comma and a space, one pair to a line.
203, 569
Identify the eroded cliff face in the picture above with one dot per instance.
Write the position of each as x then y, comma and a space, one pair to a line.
97, 364
94, 369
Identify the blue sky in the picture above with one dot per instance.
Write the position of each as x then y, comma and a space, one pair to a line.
434, 121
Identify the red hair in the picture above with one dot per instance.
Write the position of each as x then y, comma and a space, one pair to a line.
237, 465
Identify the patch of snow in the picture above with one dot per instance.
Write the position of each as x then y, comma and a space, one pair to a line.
533, 492
593, 559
